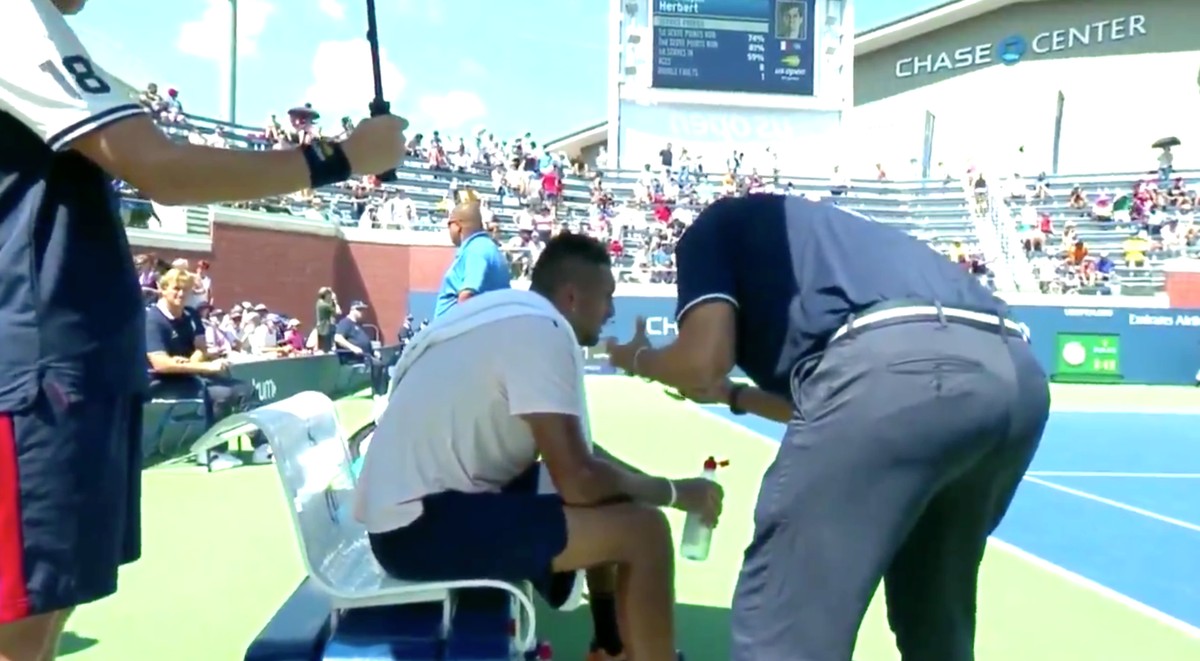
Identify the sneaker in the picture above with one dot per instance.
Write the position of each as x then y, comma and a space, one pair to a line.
262, 455
222, 460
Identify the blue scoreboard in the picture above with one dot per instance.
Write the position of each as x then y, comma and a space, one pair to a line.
750, 46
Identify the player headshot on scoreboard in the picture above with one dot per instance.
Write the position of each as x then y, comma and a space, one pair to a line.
790, 19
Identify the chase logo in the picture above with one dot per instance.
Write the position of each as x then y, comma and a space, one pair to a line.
1010, 50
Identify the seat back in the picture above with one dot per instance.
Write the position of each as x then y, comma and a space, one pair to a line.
314, 468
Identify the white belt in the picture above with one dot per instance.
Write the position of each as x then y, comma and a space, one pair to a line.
903, 312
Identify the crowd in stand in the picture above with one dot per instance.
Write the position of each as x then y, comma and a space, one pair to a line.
246, 331
191, 342
525, 205
1095, 234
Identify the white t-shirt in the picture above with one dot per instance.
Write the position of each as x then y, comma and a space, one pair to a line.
260, 338
452, 422
49, 81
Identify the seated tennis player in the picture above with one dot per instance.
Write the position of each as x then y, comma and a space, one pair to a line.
449, 489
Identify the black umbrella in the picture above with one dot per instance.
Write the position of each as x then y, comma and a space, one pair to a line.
305, 110
378, 106
1163, 143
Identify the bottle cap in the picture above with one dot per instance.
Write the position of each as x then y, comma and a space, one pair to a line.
711, 464
544, 652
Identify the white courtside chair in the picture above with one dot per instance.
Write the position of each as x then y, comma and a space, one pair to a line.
314, 470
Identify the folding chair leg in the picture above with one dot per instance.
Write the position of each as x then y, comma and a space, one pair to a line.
448, 605
522, 619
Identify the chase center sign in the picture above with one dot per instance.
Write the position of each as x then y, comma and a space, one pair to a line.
1013, 49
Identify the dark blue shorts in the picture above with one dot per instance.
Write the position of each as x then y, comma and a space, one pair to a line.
513, 535
70, 494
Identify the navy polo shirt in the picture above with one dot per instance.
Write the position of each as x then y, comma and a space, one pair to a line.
796, 270
174, 336
355, 334
478, 266
71, 310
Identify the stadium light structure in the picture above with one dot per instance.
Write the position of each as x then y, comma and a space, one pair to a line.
233, 62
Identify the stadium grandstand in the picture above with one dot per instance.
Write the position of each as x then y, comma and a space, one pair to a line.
1086, 233
998, 201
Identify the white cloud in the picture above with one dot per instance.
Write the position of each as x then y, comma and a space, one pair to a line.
427, 10
452, 110
471, 67
334, 9
208, 35
342, 80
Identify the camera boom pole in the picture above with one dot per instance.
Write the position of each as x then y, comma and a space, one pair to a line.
378, 105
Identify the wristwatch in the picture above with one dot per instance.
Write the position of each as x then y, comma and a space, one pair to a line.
735, 394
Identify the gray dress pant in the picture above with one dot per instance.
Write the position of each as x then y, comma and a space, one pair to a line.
906, 447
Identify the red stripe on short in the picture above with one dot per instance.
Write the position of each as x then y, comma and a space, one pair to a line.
14, 600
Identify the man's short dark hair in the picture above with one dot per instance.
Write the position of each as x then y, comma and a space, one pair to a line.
562, 258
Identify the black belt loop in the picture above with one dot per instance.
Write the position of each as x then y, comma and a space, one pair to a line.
941, 313
1002, 313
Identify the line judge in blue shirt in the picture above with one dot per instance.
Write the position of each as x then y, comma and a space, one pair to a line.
478, 266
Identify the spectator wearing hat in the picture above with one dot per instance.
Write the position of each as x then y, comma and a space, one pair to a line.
231, 325
173, 113
478, 266
293, 340
354, 343
263, 332
217, 342
303, 122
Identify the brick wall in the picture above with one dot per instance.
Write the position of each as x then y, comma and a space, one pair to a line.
283, 263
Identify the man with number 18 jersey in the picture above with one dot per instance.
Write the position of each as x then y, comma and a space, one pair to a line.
72, 364
72, 360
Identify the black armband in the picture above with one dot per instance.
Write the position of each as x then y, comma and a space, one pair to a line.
735, 399
327, 163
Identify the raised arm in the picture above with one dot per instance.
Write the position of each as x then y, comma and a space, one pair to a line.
56, 89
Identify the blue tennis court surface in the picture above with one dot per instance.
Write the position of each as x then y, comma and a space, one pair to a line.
1112, 497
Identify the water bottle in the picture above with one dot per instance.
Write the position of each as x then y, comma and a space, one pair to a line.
697, 536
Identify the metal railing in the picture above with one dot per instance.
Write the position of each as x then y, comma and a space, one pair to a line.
1004, 225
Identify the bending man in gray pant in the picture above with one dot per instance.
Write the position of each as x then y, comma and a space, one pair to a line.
913, 408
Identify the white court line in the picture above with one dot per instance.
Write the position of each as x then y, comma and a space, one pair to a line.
1115, 503
1041, 563
1098, 588
1091, 410
1154, 476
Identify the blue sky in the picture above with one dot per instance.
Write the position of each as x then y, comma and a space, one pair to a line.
449, 64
